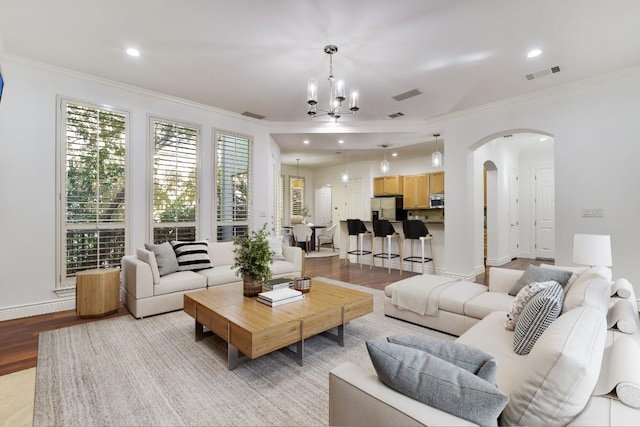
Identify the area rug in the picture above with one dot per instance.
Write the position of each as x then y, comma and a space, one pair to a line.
151, 372
323, 253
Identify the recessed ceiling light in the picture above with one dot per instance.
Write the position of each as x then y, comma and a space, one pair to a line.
394, 154
133, 52
306, 141
341, 141
533, 53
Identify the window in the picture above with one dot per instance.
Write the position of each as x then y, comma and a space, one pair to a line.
296, 199
175, 181
92, 146
233, 154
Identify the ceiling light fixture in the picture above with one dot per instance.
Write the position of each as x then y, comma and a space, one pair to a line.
297, 167
133, 52
436, 157
533, 53
344, 177
306, 141
384, 165
337, 90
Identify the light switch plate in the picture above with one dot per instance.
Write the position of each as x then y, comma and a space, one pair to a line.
593, 213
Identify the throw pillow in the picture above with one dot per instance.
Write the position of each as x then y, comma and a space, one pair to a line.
436, 382
537, 274
192, 256
521, 301
275, 246
595, 292
165, 257
540, 311
150, 258
465, 356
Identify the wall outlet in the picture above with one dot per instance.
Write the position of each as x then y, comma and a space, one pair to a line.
593, 213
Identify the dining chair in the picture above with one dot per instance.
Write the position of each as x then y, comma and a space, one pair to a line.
325, 237
302, 234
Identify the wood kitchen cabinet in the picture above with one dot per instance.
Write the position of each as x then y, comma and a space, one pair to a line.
416, 191
391, 185
436, 183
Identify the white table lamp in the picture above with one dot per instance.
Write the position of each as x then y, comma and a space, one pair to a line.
592, 249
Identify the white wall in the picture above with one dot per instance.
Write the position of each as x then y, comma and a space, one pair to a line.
28, 175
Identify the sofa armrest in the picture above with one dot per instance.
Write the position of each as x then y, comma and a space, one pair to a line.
294, 255
358, 398
137, 277
503, 279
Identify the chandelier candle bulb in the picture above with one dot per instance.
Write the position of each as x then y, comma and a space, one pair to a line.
354, 100
312, 91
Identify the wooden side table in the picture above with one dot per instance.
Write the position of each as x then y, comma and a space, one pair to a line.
97, 292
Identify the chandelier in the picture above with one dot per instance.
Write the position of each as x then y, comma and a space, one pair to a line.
436, 156
337, 92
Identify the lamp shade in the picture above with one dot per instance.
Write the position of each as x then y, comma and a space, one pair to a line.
592, 249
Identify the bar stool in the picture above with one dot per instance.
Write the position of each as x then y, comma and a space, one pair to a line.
414, 229
384, 229
355, 227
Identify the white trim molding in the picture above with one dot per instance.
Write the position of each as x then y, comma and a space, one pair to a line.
492, 262
35, 309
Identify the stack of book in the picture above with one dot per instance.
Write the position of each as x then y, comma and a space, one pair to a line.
279, 296
278, 284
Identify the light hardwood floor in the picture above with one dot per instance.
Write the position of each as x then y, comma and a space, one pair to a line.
19, 337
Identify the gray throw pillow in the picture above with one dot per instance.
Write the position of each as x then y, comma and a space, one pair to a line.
540, 311
165, 257
436, 382
537, 274
465, 356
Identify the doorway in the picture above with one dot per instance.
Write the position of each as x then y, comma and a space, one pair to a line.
323, 205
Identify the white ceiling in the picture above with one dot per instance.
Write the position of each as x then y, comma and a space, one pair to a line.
256, 56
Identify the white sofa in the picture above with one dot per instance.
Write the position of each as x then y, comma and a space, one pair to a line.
146, 298
552, 385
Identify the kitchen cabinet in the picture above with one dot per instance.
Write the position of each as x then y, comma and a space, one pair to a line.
436, 183
416, 191
387, 185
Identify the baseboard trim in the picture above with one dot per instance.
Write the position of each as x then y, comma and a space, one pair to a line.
35, 309
493, 262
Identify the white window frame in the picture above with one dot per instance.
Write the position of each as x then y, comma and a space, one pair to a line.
150, 182
216, 223
65, 286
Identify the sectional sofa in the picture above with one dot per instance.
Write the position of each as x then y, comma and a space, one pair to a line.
568, 377
149, 293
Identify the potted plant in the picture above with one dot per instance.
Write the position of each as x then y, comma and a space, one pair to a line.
305, 213
253, 260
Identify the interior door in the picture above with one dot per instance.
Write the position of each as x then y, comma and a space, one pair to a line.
355, 205
545, 213
323, 203
514, 229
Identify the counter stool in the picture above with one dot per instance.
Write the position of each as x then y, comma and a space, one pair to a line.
355, 227
384, 229
414, 229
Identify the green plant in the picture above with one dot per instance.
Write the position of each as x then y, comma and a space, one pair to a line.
252, 256
305, 211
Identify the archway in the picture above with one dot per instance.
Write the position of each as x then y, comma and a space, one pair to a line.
490, 219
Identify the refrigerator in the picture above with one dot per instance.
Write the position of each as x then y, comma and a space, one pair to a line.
389, 208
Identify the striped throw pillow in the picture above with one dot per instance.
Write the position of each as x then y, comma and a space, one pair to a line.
192, 256
540, 311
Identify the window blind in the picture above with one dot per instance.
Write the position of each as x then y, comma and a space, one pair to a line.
232, 185
93, 192
175, 158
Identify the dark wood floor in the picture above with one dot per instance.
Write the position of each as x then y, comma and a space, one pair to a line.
19, 337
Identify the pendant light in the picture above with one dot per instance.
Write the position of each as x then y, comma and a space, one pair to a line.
384, 165
297, 167
436, 157
345, 174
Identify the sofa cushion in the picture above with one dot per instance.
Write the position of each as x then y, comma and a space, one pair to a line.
464, 356
540, 311
454, 297
555, 381
192, 256
537, 274
436, 382
595, 291
221, 253
179, 281
521, 301
150, 258
480, 306
275, 246
282, 267
165, 257
220, 275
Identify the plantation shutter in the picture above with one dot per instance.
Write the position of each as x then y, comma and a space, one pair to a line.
175, 154
232, 185
93, 190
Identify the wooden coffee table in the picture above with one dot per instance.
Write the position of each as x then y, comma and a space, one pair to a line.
252, 329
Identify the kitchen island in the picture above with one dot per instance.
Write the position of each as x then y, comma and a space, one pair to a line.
436, 229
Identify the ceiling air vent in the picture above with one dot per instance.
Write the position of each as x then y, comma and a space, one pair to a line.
394, 115
543, 73
254, 115
407, 95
